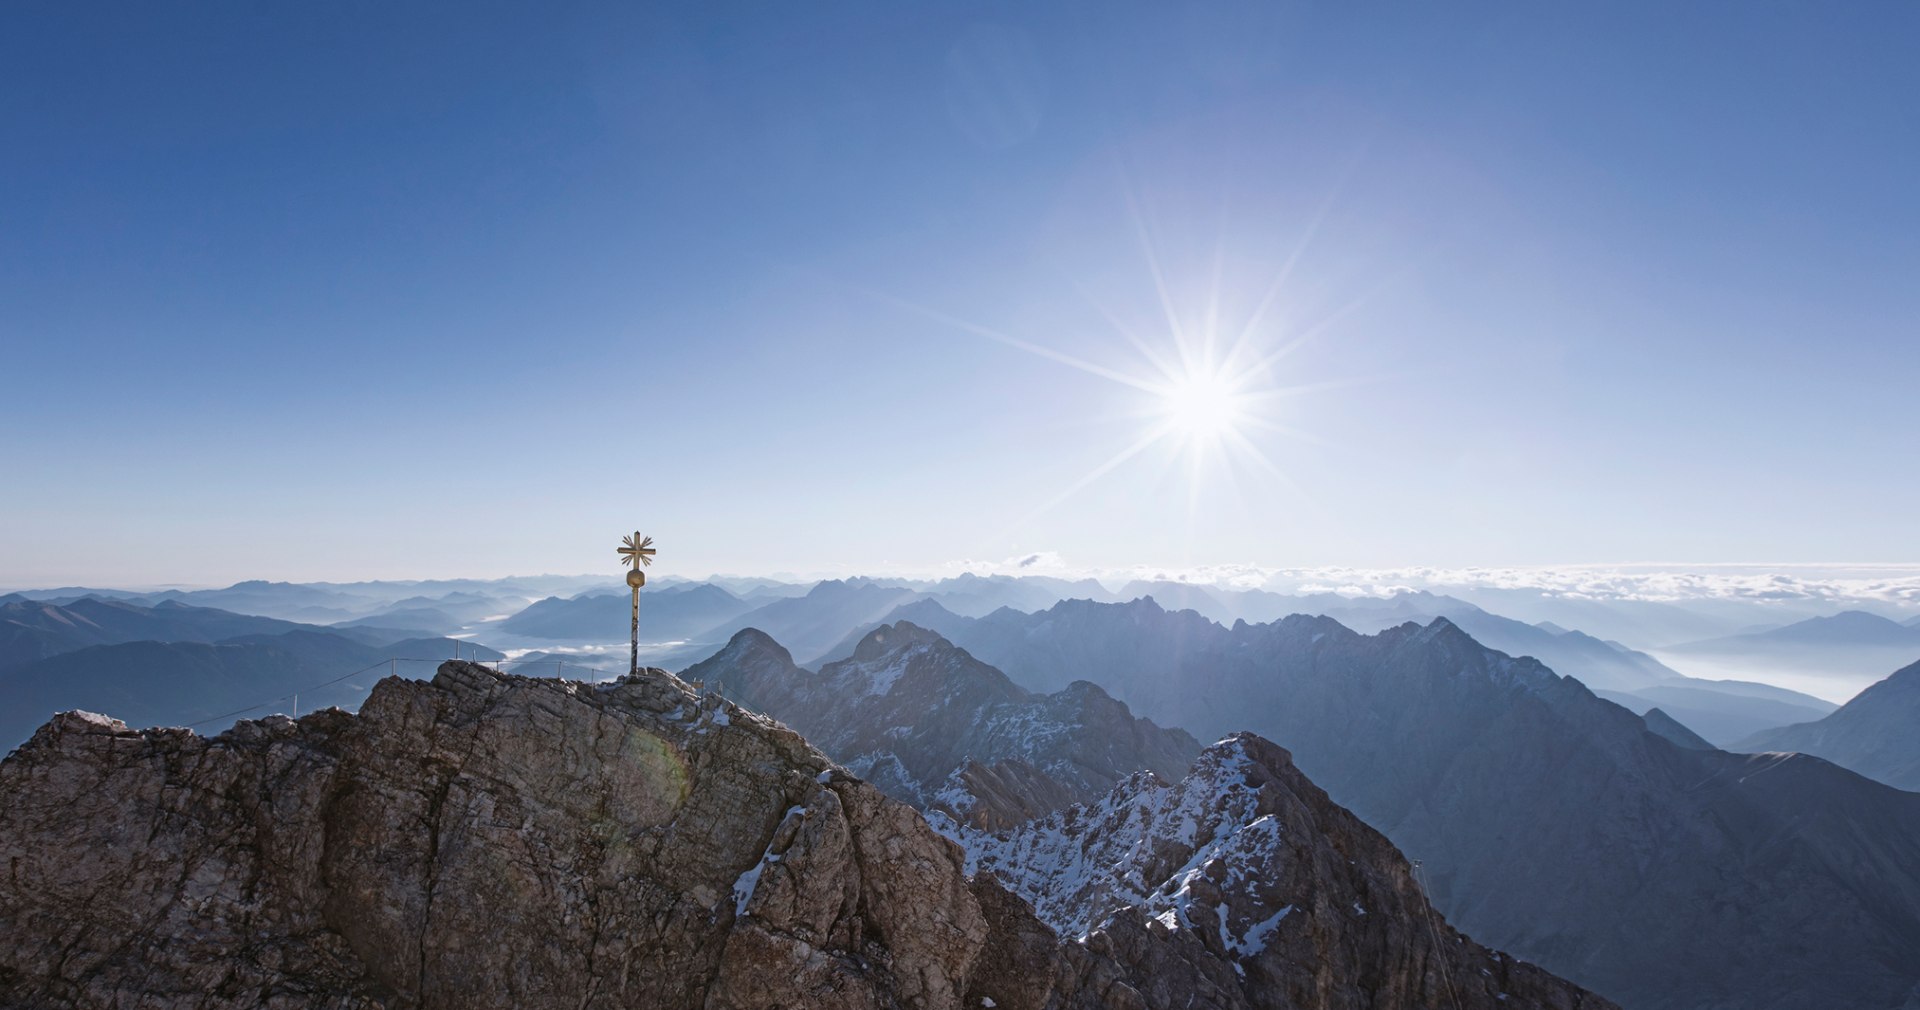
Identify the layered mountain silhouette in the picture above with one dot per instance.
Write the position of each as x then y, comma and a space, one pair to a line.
1556, 824
1721, 710
810, 625
1849, 648
485, 841
939, 729
33, 629
192, 682
669, 612
1876, 734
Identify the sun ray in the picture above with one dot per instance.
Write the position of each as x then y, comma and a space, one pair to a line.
1154, 357
1291, 432
1211, 324
1167, 308
1015, 342
1285, 273
1274, 393
1145, 442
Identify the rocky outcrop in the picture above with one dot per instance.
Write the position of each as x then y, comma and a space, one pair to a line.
939, 729
477, 841
1244, 883
486, 841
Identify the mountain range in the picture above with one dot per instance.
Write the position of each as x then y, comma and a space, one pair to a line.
1722, 711
1622, 851
1555, 823
938, 729
193, 680
1847, 650
35, 629
813, 624
671, 612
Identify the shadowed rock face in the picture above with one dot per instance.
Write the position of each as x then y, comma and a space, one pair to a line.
491, 841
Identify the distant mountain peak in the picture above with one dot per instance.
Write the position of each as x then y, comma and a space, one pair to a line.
752, 640
888, 639
1855, 619
1674, 731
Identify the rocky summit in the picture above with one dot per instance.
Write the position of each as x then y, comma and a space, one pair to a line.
483, 841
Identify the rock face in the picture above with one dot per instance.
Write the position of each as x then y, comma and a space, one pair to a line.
939, 729
480, 841
488, 841
1250, 863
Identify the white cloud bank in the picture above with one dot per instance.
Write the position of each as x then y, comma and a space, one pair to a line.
1833, 584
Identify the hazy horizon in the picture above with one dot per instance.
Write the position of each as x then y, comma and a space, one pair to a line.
1897, 585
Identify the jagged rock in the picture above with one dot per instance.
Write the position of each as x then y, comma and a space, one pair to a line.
478, 841
1244, 886
487, 841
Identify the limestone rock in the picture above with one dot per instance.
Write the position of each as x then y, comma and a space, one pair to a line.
476, 841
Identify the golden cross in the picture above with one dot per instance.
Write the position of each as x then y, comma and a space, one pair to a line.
638, 550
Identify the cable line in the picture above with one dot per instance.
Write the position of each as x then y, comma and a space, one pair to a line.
1433, 930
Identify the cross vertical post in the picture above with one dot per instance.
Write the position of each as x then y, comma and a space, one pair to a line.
638, 552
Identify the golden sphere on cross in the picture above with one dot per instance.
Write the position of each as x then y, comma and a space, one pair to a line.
636, 578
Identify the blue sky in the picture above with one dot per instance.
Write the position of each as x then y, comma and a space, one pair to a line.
356, 290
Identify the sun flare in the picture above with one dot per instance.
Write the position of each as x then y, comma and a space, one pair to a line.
1203, 405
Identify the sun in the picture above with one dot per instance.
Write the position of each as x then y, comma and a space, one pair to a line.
1204, 405
1209, 391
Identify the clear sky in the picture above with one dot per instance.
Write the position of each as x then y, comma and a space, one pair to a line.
333, 291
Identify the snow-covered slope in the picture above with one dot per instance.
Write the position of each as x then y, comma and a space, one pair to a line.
1246, 859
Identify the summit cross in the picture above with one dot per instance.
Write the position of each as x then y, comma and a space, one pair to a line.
636, 551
